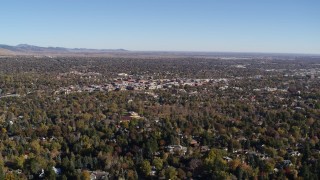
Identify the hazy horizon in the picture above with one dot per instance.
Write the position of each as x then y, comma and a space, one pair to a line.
172, 51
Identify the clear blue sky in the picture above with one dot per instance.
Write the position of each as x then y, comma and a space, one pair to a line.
172, 25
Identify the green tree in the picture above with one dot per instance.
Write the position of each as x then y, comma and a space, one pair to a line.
50, 174
158, 163
34, 165
216, 165
2, 175
145, 167
305, 171
171, 173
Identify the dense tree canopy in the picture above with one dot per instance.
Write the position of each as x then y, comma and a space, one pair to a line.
261, 121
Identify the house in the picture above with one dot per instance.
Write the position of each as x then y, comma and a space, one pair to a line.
130, 116
41, 175
204, 149
228, 159
152, 87
194, 143
177, 149
286, 163
123, 74
98, 175
125, 119
295, 153
153, 171
56, 170
134, 115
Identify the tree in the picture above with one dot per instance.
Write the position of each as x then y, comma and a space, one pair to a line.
171, 173
65, 163
158, 163
10, 176
305, 171
234, 164
85, 175
2, 175
146, 168
35, 146
306, 152
216, 165
34, 165
239, 172
50, 174
131, 175
182, 174
19, 160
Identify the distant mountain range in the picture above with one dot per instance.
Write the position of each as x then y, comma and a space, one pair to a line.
26, 49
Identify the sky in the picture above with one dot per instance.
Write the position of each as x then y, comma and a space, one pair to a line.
280, 26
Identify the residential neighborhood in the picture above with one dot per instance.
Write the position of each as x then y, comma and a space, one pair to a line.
118, 118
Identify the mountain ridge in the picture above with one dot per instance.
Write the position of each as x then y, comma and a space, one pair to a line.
22, 49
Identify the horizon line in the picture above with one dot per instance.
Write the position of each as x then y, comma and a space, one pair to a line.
176, 51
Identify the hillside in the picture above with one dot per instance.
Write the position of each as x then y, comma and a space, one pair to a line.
5, 52
25, 49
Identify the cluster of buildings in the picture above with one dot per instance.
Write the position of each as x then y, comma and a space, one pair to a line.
130, 83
